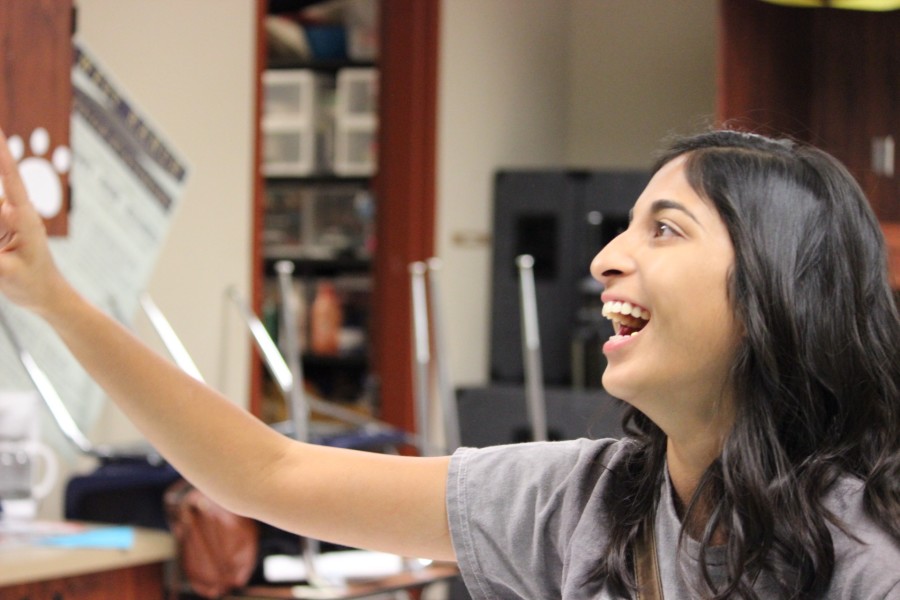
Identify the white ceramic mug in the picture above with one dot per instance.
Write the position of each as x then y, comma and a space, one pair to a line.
19, 477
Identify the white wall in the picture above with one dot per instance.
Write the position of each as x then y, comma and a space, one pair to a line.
595, 83
639, 70
189, 66
502, 102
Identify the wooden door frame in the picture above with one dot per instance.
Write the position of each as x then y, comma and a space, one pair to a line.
404, 188
258, 209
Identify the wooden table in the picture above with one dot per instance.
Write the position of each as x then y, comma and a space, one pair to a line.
406, 581
41, 572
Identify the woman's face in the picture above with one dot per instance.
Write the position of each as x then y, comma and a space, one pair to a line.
666, 281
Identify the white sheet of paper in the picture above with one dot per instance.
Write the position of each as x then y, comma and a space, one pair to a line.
338, 568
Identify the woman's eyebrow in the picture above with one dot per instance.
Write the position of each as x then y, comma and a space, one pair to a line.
660, 205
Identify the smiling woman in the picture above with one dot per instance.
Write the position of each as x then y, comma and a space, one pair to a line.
763, 434
673, 262
803, 407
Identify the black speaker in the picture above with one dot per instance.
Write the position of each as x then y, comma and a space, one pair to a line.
497, 414
562, 219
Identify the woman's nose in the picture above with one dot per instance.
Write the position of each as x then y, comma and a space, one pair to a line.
612, 260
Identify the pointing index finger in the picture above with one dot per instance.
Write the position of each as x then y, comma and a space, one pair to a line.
12, 190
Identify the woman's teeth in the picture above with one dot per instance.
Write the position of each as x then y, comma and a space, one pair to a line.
627, 319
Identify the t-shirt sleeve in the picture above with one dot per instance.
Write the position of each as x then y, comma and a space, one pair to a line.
512, 510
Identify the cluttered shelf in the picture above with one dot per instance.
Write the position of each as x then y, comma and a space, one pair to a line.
322, 34
314, 267
332, 65
286, 6
340, 361
318, 178
321, 228
319, 126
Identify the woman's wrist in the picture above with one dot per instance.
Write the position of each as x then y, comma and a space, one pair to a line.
58, 300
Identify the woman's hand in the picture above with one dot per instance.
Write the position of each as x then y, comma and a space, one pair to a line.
28, 275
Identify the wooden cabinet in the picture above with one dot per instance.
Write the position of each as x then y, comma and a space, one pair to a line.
144, 582
43, 572
826, 76
856, 104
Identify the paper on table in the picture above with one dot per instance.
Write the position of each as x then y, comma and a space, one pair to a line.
112, 538
15, 533
336, 567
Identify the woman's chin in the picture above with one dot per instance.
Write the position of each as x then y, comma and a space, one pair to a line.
615, 387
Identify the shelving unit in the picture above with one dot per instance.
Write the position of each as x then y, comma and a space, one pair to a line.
408, 38
318, 218
325, 65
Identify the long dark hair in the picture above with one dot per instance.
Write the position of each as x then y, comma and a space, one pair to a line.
815, 379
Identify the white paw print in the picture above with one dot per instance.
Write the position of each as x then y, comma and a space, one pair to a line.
41, 176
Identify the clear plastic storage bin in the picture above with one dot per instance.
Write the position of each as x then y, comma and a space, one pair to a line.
357, 94
355, 149
296, 122
356, 122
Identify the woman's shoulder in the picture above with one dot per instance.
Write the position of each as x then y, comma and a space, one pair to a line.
580, 453
866, 555
515, 512
538, 472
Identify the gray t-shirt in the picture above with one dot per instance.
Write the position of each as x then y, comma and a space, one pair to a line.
527, 521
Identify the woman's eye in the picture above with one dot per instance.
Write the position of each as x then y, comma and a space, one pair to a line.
662, 230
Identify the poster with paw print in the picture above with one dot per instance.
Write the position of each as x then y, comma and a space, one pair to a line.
36, 99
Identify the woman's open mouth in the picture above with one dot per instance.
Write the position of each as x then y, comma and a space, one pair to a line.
627, 318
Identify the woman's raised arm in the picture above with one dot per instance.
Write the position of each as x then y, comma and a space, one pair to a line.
359, 499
